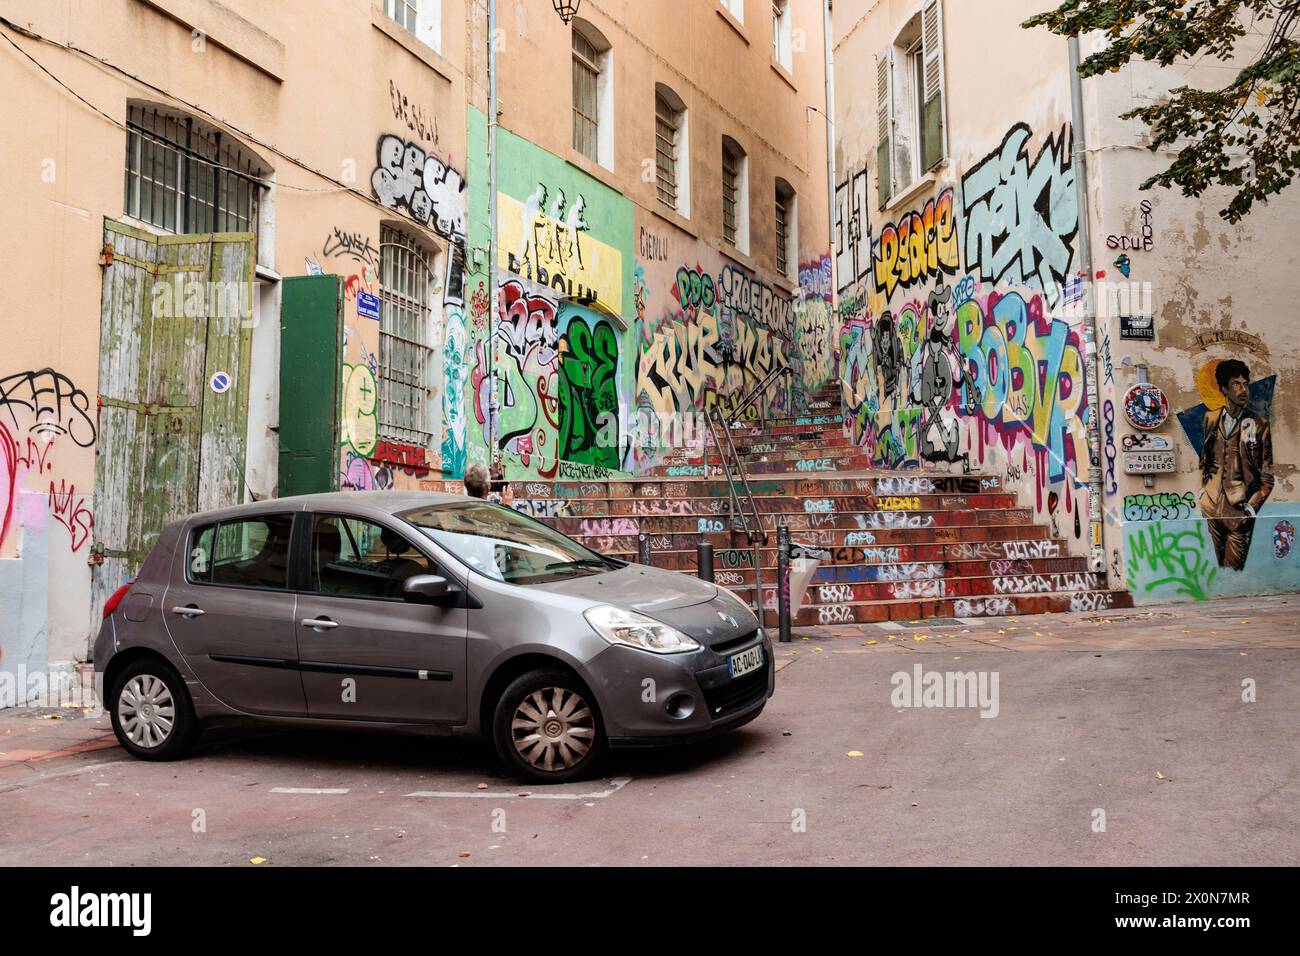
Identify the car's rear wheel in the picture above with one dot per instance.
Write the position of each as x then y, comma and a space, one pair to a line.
152, 714
547, 728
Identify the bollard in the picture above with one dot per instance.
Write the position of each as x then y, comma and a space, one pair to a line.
704, 561
643, 547
783, 582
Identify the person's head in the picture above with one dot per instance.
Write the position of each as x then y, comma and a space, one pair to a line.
476, 480
1233, 379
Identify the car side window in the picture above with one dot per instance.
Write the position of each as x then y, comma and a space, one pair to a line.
352, 557
246, 552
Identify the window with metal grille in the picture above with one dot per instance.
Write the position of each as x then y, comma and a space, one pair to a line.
185, 177
586, 74
730, 188
404, 12
782, 232
667, 126
405, 346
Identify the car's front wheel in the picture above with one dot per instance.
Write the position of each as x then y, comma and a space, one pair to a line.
547, 728
151, 711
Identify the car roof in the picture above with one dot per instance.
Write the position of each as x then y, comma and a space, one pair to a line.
372, 503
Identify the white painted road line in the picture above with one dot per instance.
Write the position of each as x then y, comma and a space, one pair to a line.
327, 790
615, 785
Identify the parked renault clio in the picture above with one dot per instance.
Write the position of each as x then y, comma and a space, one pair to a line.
425, 613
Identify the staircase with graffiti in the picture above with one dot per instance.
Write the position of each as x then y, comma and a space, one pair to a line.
900, 545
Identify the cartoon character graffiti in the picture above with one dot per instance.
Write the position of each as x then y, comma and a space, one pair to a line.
942, 371
1236, 466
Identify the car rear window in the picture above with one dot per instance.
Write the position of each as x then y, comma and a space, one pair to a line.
246, 552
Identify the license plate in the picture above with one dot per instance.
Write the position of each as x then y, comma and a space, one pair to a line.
746, 661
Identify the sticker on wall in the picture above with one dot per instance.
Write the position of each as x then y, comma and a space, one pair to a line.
220, 382
1283, 538
1138, 328
367, 305
1124, 264
1145, 406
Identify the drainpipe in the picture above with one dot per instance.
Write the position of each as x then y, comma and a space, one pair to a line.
1079, 160
494, 419
830, 136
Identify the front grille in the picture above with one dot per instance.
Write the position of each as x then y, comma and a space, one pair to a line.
727, 646
737, 694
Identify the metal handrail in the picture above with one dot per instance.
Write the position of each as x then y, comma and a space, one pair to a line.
756, 536
756, 391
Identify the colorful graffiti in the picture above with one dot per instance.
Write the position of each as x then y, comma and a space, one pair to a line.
1021, 218
920, 245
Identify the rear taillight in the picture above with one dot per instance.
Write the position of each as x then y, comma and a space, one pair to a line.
111, 604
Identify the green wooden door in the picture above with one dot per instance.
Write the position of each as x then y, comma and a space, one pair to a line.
172, 315
311, 363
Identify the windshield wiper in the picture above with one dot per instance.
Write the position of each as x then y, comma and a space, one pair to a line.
581, 563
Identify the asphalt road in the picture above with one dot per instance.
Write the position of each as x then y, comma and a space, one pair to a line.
1138, 721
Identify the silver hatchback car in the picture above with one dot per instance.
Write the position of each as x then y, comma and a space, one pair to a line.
424, 613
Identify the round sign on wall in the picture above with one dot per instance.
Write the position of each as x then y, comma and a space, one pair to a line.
1145, 406
220, 381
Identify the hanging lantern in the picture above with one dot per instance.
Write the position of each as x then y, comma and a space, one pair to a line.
567, 9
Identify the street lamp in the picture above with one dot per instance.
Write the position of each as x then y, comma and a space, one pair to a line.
567, 9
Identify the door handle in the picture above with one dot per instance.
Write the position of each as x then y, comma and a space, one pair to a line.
320, 623
188, 611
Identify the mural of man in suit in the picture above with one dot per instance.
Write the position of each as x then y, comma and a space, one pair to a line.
1236, 466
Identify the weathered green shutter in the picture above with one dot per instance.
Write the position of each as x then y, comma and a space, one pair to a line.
167, 444
311, 357
885, 124
932, 132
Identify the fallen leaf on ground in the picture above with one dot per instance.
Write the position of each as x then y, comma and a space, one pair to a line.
1159, 775
257, 860
482, 786
855, 753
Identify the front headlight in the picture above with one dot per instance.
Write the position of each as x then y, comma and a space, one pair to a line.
619, 626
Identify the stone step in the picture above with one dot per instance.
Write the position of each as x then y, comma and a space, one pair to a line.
721, 523
844, 508
868, 612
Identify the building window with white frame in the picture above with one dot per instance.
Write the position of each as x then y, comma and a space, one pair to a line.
735, 195
735, 7
421, 17
911, 128
672, 151
787, 228
406, 280
593, 94
782, 34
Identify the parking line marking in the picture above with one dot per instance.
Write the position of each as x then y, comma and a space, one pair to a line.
327, 790
616, 784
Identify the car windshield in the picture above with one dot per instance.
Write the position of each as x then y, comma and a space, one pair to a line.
505, 545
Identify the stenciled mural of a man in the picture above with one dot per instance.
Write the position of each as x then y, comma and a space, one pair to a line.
1236, 466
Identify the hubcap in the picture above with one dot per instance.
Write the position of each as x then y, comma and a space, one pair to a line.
146, 711
553, 728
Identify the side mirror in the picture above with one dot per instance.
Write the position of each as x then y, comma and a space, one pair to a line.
430, 589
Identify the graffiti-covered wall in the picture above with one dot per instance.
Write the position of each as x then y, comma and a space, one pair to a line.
617, 329
966, 310
959, 346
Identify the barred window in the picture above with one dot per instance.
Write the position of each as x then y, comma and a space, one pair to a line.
786, 226
586, 74
668, 122
186, 177
405, 339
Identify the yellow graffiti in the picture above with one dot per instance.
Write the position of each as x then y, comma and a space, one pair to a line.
359, 425
548, 251
891, 503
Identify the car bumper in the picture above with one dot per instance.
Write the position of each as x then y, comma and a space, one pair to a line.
649, 700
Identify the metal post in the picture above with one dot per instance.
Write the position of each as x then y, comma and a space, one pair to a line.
783, 582
704, 560
643, 547
494, 416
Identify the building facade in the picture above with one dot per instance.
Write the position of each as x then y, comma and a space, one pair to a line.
1012, 305
260, 234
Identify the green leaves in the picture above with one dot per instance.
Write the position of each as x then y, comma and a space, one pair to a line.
1245, 135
